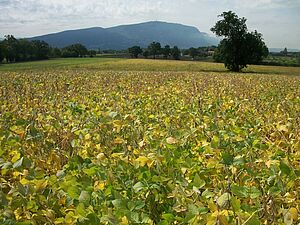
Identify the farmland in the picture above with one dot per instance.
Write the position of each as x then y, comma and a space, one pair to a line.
115, 141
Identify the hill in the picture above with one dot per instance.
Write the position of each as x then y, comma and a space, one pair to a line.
125, 36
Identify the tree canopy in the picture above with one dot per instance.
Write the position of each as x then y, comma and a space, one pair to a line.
154, 49
166, 51
75, 50
175, 53
134, 51
17, 50
238, 47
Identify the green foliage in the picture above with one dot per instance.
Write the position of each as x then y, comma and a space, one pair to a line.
193, 52
238, 47
75, 50
175, 52
2, 56
154, 49
83, 146
14, 50
41, 49
135, 51
166, 51
146, 53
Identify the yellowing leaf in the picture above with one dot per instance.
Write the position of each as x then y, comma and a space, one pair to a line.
99, 185
136, 152
16, 157
142, 144
16, 174
24, 181
171, 140
41, 184
283, 128
212, 206
124, 221
294, 213
143, 160
101, 156
223, 200
118, 141
87, 137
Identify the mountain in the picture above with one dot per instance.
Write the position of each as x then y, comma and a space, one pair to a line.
125, 36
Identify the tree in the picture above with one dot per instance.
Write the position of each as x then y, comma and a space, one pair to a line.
24, 50
10, 45
166, 51
135, 51
175, 53
41, 49
146, 53
55, 53
1, 52
284, 52
75, 50
154, 49
193, 52
92, 53
238, 47
298, 57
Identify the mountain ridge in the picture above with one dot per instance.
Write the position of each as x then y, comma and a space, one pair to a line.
124, 36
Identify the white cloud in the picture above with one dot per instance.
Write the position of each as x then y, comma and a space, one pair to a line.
34, 17
265, 3
17, 11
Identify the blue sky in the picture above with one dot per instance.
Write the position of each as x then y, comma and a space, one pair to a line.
277, 20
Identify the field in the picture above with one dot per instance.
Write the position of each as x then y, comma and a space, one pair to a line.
118, 141
282, 61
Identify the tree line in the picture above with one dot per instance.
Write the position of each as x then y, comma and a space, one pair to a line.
21, 50
237, 49
154, 50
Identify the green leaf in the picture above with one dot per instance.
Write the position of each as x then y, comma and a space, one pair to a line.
119, 204
285, 168
227, 158
80, 209
239, 191
207, 194
93, 219
254, 192
84, 197
3, 200
168, 217
139, 205
73, 192
90, 171
223, 200
198, 182
24, 223
253, 221
193, 209
203, 210
135, 217
236, 204
138, 187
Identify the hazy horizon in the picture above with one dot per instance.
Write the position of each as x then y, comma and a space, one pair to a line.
275, 19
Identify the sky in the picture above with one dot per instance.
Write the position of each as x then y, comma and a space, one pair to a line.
277, 20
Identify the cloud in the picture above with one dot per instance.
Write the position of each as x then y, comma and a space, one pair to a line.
266, 3
18, 11
25, 18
